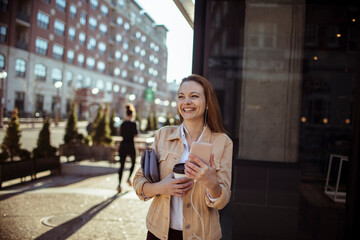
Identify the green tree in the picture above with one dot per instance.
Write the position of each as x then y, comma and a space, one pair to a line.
71, 132
99, 116
102, 130
11, 142
44, 148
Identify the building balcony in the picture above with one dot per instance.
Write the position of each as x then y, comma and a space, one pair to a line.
21, 45
23, 16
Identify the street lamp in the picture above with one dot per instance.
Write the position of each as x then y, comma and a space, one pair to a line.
58, 85
3, 76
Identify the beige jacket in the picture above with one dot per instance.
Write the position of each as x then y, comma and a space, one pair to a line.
169, 149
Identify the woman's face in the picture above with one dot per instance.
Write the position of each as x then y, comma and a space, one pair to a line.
191, 101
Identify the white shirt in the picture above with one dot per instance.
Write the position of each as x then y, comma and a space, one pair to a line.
176, 204
176, 209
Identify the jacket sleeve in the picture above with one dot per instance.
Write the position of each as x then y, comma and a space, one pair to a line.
224, 176
139, 179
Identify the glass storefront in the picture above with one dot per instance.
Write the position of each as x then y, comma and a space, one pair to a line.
284, 72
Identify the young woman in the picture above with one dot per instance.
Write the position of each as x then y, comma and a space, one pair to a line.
128, 131
187, 208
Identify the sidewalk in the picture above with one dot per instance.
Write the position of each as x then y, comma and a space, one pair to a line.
82, 203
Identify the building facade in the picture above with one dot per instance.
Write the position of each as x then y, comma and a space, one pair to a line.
102, 51
286, 74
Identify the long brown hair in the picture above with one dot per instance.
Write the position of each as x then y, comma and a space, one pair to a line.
214, 120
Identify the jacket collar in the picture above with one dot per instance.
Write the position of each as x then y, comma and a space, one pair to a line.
177, 134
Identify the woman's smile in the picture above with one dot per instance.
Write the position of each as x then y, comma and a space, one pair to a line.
191, 101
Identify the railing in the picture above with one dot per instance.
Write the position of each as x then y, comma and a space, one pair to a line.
21, 45
23, 16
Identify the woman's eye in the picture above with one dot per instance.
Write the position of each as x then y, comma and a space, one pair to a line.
195, 96
180, 97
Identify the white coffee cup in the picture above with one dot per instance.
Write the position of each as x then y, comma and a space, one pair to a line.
179, 170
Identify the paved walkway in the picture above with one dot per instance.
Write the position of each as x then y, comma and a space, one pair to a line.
82, 203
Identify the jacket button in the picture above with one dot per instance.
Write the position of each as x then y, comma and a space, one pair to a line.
187, 226
188, 205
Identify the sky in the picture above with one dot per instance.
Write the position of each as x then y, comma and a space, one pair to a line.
179, 37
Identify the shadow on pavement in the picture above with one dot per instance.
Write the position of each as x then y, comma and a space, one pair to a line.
78, 174
70, 227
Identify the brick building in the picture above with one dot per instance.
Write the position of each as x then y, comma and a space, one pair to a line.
103, 51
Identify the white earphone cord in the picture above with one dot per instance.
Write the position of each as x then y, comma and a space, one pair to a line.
201, 220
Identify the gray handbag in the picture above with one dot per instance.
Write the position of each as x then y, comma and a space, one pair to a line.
150, 165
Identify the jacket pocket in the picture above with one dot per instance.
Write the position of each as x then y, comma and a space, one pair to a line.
167, 161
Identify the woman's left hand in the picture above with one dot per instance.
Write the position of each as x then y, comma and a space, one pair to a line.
204, 174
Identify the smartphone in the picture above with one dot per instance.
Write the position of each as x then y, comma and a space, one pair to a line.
202, 151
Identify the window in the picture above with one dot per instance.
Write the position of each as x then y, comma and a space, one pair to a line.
91, 44
72, 33
101, 66
124, 74
58, 51
59, 27
117, 55
70, 56
39, 103
73, 11
90, 63
102, 47
100, 84
2, 62
41, 46
108, 86
352, 40
43, 20
81, 59
93, 23
83, 18
88, 82
20, 67
332, 38
118, 38
79, 81
94, 4
3, 31
125, 58
104, 10
40, 72
103, 28
82, 38
69, 78
61, 5
56, 75
119, 21
126, 45
4, 5
136, 63
311, 33
117, 72
121, 3
127, 26
19, 101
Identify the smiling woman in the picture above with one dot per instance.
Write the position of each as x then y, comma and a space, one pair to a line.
206, 187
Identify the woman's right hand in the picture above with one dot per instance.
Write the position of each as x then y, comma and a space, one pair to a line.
169, 186
176, 187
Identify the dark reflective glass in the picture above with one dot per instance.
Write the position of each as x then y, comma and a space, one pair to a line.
284, 73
